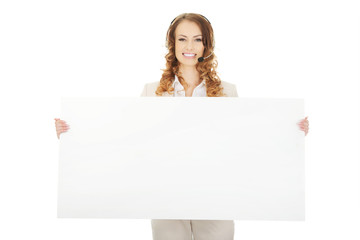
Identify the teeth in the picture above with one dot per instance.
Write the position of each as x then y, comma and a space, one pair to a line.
188, 55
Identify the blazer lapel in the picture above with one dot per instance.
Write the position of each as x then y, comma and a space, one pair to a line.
166, 94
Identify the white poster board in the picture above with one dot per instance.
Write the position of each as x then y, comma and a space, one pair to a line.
182, 158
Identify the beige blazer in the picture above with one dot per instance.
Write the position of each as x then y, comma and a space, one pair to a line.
150, 88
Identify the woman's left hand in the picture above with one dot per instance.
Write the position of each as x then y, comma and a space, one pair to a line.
304, 125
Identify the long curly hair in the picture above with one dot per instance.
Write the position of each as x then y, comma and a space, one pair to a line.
207, 68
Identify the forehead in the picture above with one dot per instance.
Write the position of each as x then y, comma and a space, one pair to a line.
187, 28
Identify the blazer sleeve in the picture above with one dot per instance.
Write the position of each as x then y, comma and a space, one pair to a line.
144, 92
235, 94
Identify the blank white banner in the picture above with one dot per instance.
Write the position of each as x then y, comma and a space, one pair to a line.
182, 158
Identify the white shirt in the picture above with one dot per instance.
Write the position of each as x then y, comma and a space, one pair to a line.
179, 91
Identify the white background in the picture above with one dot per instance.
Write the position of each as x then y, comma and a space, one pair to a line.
48, 49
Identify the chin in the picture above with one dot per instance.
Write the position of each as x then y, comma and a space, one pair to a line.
187, 61
188, 64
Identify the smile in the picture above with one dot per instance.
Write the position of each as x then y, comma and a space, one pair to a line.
189, 55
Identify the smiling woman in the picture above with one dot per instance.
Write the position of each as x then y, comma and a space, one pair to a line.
190, 59
190, 72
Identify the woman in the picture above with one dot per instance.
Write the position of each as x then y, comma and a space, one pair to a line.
190, 72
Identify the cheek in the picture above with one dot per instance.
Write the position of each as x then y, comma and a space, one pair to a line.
201, 50
178, 49
178, 46
201, 47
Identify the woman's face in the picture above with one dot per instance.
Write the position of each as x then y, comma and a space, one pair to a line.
188, 43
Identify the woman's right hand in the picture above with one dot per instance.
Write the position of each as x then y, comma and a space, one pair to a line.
61, 126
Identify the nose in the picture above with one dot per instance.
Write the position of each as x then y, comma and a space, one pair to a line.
189, 45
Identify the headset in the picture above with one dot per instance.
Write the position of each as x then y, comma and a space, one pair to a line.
200, 59
198, 14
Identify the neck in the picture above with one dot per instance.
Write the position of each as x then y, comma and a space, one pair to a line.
190, 75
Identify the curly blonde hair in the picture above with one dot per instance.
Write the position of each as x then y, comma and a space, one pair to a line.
207, 68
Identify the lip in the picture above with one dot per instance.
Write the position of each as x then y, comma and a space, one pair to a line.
190, 57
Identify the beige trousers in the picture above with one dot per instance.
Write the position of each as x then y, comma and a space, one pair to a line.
199, 229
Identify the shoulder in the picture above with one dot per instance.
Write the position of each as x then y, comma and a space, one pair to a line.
229, 89
152, 84
149, 89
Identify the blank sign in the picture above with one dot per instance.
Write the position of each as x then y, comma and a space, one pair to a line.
182, 158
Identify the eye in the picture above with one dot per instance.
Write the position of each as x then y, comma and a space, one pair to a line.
198, 40
182, 39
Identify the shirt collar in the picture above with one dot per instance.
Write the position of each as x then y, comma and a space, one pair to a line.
177, 82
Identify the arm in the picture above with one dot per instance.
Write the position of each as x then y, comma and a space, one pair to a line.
144, 92
234, 93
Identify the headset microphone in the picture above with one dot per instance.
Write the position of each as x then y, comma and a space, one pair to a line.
201, 59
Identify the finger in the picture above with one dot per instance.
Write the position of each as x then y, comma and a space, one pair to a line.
302, 121
64, 128
61, 131
58, 128
62, 123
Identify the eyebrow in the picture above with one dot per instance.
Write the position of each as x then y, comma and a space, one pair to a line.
193, 36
